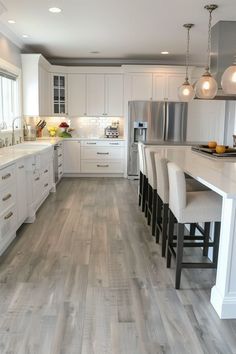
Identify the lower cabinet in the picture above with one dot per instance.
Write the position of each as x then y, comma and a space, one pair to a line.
8, 206
71, 156
102, 157
22, 211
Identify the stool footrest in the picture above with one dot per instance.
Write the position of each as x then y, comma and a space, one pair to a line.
198, 265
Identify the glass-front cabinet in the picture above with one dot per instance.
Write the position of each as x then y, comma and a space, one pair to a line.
59, 94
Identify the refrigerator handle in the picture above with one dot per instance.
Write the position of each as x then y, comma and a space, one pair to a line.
166, 121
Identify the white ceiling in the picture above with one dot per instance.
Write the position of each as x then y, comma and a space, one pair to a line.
115, 28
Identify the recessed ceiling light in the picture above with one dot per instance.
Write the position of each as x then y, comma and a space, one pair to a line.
11, 22
25, 36
54, 10
165, 53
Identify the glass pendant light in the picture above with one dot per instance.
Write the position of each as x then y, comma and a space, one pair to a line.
206, 87
228, 80
186, 91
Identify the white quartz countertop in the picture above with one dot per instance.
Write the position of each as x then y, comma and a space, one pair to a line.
218, 175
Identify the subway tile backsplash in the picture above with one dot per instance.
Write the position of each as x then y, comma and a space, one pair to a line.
86, 127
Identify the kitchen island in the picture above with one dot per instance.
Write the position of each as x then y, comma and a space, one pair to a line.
220, 176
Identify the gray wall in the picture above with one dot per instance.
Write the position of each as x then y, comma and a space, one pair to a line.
9, 51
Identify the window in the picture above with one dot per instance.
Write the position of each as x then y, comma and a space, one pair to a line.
9, 100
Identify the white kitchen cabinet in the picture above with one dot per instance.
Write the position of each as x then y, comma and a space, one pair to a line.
36, 85
206, 120
102, 157
173, 84
114, 102
21, 192
95, 95
77, 95
159, 87
141, 86
71, 155
59, 95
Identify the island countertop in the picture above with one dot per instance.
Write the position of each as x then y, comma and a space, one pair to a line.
217, 174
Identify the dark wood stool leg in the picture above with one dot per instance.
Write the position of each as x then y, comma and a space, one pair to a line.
170, 237
158, 217
154, 207
149, 205
164, 228
140, 196
216, 242
192, 229
179, 254
206, 239
144, 193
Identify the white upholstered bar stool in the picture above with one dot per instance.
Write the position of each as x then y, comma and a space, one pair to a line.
162, 208
187, 208
152, 188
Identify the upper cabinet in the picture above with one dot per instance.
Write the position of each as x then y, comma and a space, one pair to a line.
77, 105
158, 86
141, 86
95, 95
105, 95
59, 101
36, 85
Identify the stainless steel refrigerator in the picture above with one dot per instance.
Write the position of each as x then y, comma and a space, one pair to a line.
160, 122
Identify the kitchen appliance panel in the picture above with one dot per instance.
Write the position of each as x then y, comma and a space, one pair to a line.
176, 122
156, 121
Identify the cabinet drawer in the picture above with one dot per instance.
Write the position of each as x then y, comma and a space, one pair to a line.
7, 175
102, 166
7, 197
7, 223
102, 153
102, 143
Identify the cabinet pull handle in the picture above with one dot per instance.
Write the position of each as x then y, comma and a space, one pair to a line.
8, 215
46, 185
8, 196
20, 167
33, 164
60, 155
114, 143
8, 175
102, 165
37, 179
60, 173
103, 153
46, 171
91, 143
60, 165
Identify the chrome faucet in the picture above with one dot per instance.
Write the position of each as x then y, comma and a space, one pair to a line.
13, 128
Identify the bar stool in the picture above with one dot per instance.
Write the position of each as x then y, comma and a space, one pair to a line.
162, 209
188, 208
151, 201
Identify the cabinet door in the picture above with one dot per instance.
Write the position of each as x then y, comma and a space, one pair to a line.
59, 94
71, 155
141, 86
159, 87
77, 95
21, 192
44, 89
173, 83
95, 95
114, 95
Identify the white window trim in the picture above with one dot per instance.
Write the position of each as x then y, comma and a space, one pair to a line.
5, 65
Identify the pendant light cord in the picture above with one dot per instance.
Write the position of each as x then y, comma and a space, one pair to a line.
209, 42
187, 54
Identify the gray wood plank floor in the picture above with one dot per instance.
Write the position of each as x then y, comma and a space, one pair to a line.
88, 278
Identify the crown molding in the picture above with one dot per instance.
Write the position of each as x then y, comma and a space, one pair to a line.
11, 36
